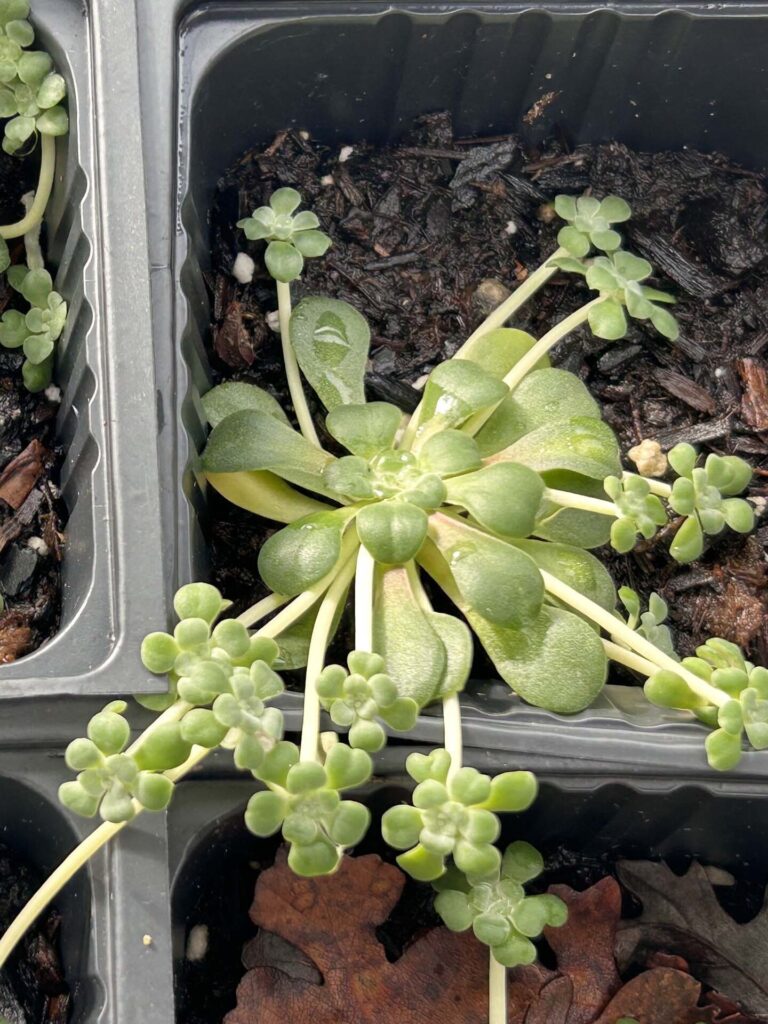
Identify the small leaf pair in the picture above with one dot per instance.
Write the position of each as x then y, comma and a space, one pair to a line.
356, 698
496, 908
705, 495
650, 623
742, 711
291, 236
303, 799
618, 278
36, 332
453, 816
109, 780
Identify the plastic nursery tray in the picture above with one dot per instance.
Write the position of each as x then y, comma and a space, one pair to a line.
640, 72
126, 917
112, 572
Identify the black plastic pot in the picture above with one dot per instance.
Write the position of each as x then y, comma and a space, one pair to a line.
644, 73
112, 572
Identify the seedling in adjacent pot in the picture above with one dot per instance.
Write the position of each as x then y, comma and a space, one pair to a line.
31, 102
493, 492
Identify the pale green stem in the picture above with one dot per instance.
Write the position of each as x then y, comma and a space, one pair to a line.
497, 318
567, 499
621, 632
71, 864
657, 487
497, 991
364, 582
318, 644
42, 193
630, 660
292, 374
261, 609
547, 341
34, 252
452, 732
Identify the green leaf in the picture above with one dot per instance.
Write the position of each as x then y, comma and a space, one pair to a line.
235, 395
349, 824
285, 200
453, 907
37, 376
311, 243
406, 638
331, 339
511, 792
53, 122
723, 750
299, 555
607, 320
163, 749
557, 662
459, 651
52, 90
542, 397
153, 791
570, 525
37, 348
499, 350
575, 567
253, 440
400, 826
688, 542
347, 768
458, 388
36, 287
580, 445
497, 581
13, 329
314, 859
201, 727
521, 862
503, 497
265, 494
365, 429
284, 261
393, 531
422, 865
265, 812
575, 241
33, 67
449, 452
294, 641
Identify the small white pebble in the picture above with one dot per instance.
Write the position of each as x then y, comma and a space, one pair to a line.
719, 371
760, 503
510, 228
419, 384
548, 75
327, 179
243, 268
147, 940
52, 393
345, 153
649, 458
197, 942
304, 135
273, 321
39, 546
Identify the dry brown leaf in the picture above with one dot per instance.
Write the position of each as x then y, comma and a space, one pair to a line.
660, 996
21, 474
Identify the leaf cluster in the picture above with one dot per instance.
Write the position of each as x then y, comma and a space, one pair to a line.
496, 907
290, 236
37, 331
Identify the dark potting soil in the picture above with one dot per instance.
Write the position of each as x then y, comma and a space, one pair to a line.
417, 227
32, 986
31, 511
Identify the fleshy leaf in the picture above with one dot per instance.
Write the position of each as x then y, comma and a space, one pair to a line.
499, 350
253, 440
299, 555
542, 397
234, 395
331, 339
458, 388
406, 638
580, 445
571, 525
575, 567
459, 650
503, 497
393, 531
497, 580
265, 494
366, 429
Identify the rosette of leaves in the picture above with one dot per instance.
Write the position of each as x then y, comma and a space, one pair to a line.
239, 719
31, 93
453, 816
649, 623
355, 698
37, 331
110, 780
743, 711
198, 657
471, 510
589, 223
303, 800
705, 495
291, 236
639, 511
496, 908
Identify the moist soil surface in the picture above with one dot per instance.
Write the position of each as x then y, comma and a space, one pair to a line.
418, 227
31, 511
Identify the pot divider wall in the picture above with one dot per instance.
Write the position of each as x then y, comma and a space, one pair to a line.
640, 74
112, 576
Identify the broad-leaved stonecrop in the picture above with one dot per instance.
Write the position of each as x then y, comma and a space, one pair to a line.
32, 94
496, 488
